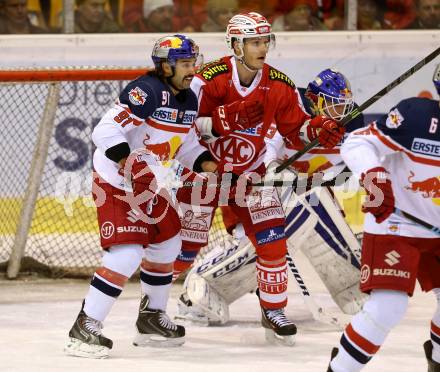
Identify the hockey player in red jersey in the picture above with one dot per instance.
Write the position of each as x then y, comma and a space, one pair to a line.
152, 119
390, 156
221, 87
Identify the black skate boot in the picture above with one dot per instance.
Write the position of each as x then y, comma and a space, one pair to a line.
154, 328
334, 353
86, 339
279, 329
433, 366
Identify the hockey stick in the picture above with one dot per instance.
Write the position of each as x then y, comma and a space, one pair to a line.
318, 312
426, 225
357, 111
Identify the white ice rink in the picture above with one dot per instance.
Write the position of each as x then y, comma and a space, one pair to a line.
36, 315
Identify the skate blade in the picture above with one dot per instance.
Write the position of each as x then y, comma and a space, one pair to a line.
75, 347
154, 340
275, 339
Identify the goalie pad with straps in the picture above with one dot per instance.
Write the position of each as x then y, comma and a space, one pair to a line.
223, 276
315, 225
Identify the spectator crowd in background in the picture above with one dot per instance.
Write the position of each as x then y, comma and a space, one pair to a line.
112, 16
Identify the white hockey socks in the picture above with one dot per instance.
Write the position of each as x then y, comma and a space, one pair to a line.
118, 264
368, 329
157, 286
435, 329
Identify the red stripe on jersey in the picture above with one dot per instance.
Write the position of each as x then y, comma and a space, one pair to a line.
391, 144
361, 341
112, 276
168, 128
435, 329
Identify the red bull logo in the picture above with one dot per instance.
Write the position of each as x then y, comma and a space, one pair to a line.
429, 188
172, 42
164, 150
137, 96
394, 119
314, 164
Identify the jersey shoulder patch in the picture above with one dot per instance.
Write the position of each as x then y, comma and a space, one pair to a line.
412, 123
214, 68
141, 95
274, 74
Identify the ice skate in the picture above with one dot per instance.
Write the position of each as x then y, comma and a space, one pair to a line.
432, 365
86, 339
154, 328
188, 313
279, 329
333, 355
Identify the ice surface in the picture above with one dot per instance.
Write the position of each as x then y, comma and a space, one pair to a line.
36, 315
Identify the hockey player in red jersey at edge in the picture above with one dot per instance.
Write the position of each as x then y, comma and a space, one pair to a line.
151, 121
397, 159
243, 83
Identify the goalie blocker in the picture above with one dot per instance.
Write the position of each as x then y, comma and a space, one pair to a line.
313, 224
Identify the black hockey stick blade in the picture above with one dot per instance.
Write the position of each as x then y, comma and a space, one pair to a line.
357, 111
417, 220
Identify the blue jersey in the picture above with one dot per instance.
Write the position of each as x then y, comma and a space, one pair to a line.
147, 116
412, 126
149, 97
406, 142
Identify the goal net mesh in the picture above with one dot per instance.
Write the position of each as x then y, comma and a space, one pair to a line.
63, 238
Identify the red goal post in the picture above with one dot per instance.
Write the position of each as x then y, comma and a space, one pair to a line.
48, 219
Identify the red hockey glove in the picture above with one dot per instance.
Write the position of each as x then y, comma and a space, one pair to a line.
380, 200
238, 115
141, 175
328, 132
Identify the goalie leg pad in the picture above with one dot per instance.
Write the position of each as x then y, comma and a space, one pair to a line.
221, 278
206, 299
329, 245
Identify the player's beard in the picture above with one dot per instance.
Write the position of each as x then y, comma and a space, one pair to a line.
186, 81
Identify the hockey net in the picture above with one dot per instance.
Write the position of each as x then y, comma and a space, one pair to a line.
48, 218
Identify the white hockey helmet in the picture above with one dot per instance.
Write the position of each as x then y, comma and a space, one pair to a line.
248, 25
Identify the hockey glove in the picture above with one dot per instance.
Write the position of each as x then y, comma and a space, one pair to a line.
380, 196
238, 115
328, 132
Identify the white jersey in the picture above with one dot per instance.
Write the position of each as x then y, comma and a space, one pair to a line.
147, 116
406, 142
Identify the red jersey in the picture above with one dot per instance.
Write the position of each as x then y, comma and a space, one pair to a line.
217, 83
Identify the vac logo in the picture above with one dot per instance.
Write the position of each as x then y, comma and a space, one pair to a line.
392, 258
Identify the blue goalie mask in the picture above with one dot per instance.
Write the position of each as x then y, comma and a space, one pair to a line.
436, 78
330, 95
171, 48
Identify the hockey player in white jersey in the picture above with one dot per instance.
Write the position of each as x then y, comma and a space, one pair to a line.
319, 229
397, 159
152, 119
